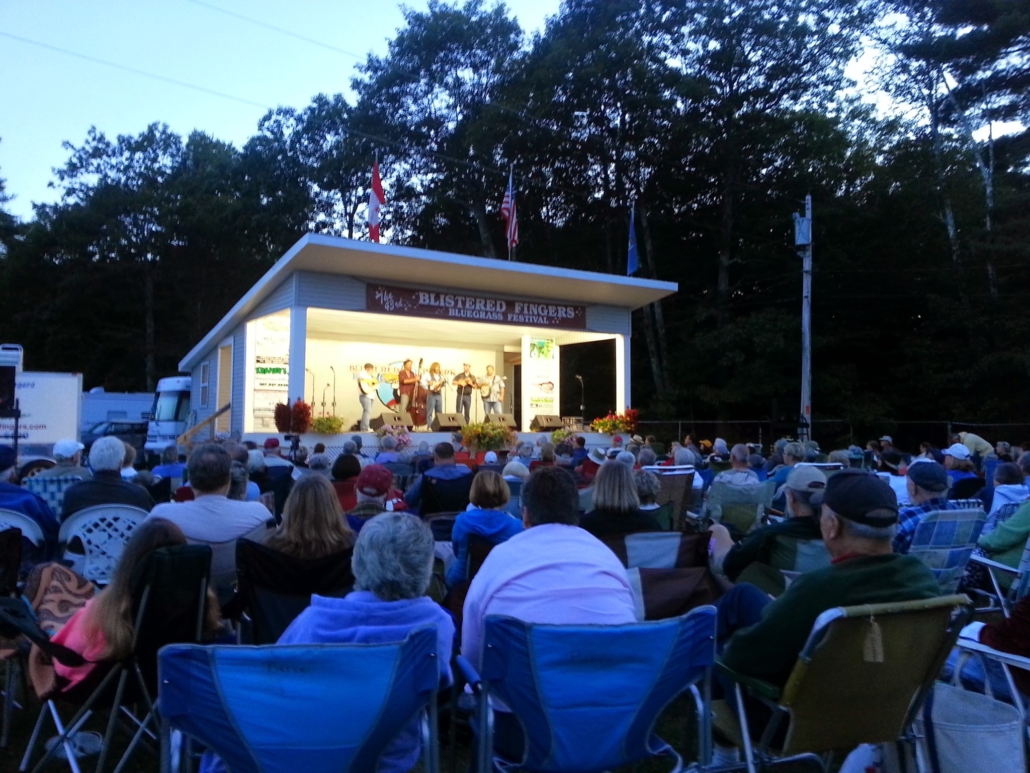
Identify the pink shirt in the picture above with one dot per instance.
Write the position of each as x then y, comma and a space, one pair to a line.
551, 573
90, 644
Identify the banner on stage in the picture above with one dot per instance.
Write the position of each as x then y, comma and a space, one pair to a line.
473, 308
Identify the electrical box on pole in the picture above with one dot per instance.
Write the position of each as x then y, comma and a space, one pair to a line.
803, 241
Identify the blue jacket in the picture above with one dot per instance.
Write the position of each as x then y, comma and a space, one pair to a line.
444, 472
361, 617
495, 525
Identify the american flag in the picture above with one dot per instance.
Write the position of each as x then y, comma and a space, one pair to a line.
510, 217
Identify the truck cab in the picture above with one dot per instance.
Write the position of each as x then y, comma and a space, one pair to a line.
169, 416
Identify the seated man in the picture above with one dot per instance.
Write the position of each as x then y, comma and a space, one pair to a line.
740, 472
553, 572
579, 452
170, 466
858, 521
371, 490
389, 453
444, 468
211, 517
25, 502
927, 484
273, 456
107, 486
774, 546
68, 458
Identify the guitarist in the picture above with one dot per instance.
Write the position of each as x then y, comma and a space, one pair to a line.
368, 384
492, 390
434, 383
466, 384
406, 381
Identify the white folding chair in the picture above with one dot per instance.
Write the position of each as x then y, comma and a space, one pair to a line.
102, 531
12, 519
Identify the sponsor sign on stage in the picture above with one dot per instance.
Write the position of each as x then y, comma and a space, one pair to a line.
473, 307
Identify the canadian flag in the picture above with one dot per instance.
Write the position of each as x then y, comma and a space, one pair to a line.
376, 199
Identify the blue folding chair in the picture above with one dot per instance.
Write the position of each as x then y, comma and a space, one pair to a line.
316, 708
588, 697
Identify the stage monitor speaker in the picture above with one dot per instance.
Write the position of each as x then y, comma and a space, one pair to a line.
546, 422
447, 422
507, 419
389, 419
7, 378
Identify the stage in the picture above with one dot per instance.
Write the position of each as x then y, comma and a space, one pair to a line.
369, 440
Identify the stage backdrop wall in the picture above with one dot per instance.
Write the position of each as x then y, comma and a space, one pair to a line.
349, 357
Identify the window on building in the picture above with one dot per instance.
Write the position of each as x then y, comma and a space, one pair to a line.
205, 373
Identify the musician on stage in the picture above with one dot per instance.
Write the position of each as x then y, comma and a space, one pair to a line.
367, 384
434, 382
406, 381
492, 389
465, 383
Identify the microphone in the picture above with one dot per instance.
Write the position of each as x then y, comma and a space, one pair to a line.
579, 377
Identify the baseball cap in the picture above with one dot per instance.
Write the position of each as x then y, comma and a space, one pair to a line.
888, 438
806, 479
67, 448
7, 458
490, 457
957, 450
272, 442
374, 481
861, 497
929, 475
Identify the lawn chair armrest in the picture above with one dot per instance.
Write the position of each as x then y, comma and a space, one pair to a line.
1016, 661
757, 687
994, 564
470, 674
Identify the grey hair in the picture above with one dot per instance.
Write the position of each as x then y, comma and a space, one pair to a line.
319, 462
389, 442
107, 453
780, 444
393, 557
683, 456
647, 457
350, 447
239, 479
739, 453
865, 531
255, 461
615, 490
794, 450
648, 486
626, 458
841, 457
720, 446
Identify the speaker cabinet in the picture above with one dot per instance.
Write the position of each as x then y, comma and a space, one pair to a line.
507, 419
390, 419
447, 422
546, 422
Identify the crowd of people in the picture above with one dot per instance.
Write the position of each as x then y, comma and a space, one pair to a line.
840, 534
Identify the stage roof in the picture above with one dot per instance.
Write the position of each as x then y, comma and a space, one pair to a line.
368, 261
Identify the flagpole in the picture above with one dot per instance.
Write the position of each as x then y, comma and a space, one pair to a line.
511, 177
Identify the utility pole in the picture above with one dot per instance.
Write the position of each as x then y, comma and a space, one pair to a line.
803, 240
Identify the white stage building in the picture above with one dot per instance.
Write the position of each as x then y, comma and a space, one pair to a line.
330, 305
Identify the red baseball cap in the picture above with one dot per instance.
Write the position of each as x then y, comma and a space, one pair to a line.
374, 481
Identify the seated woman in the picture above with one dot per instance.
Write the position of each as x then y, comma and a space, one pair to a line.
648, 488
1009, 489
1005, 542
485, 517
393, 563
313, 523
103, 629
616, 504
546, 457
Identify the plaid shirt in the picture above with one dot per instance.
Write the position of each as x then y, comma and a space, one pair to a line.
909, 518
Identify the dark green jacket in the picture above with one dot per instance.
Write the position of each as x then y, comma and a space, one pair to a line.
769, 648
762, 545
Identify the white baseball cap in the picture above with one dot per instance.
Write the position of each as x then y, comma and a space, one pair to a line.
67, 448
957, 450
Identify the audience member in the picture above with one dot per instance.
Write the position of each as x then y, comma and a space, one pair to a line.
171, 466
485, 518
320, 464
720, 451
345, 467
371, 489
25, 502
313, 524
616, 505
1006, 541
241, 456
927, 490
553, 572
128, 470
976, 444
68, 462
546, 457
776, 458
626, 458
1003, 451
579, 452
740, 472
239, 481
592, 464
886, 444
1009, 488
515, 471
775, 545
273, 458
648, 488
389, 454
958, 462
841, 457
102, 630
393, 564
647, 457
444, 468
793, 453
762, 638
107, 487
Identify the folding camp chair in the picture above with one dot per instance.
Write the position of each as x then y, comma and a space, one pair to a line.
169, 591
10, 563
965, 488
33, 541
51, 490
1020, 584
944, 541
402, 472
440, 495
739, 507
861, 678
223, 558
588, 697
272, 588
315, 708
1007, 661
676, 486
102, 532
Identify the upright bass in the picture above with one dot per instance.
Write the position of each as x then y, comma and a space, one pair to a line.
417, 409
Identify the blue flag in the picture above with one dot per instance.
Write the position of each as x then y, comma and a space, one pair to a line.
632, 259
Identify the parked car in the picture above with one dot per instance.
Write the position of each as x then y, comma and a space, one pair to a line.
132, 432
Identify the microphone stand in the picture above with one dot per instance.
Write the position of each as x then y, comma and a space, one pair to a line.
334, 388
323, 399
582, 401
